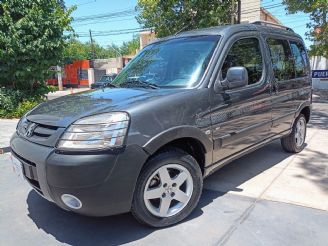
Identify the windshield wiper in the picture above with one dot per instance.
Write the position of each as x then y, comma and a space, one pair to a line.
142, 83
111, 85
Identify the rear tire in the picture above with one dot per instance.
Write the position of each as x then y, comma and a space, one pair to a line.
168, 189
295, 141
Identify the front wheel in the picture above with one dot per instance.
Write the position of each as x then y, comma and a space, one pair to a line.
168, 189
295, 141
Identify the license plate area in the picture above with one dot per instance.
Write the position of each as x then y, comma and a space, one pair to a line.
17, 166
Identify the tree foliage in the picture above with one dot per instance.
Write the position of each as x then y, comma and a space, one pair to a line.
130, 47
77, 50
170, 16
32, 40
318, 25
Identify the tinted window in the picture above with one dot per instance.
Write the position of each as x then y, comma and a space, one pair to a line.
282, 61
300, 59
246, 53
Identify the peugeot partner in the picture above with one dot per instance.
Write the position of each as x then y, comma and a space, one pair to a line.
184, 107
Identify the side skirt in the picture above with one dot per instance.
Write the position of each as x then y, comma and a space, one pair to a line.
216, 166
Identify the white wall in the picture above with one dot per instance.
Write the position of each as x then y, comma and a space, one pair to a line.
250, 10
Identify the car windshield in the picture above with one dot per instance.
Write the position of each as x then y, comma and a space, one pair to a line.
178, 62
105, 79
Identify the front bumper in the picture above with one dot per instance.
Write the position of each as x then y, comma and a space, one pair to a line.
104, 182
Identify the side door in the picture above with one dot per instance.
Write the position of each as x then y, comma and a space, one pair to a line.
241, 117
284, 84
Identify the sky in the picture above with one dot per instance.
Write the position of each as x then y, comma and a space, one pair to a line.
128, 21
96, 7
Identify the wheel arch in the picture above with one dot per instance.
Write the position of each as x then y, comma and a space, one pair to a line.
190, 139
305, 109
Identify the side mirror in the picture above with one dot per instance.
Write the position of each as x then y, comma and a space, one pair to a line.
236, 77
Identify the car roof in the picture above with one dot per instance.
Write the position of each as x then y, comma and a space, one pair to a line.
228, 30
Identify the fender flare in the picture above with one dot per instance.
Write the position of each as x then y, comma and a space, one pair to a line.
302, 106
175, 133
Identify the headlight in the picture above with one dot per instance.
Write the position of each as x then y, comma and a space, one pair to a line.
96, 132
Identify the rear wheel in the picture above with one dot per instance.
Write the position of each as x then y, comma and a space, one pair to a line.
168, 189
295, 141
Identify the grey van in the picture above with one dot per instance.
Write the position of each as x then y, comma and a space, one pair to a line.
184, 107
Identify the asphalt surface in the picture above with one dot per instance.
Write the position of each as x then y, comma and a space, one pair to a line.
268, 197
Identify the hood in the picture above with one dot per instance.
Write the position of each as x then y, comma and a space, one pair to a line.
63, 111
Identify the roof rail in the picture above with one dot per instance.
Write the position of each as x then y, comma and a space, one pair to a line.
267, 23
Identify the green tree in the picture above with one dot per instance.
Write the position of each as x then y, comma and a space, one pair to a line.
32, 39
170, 16
318, 25
130, 47
75, 50
102, 52
114, 50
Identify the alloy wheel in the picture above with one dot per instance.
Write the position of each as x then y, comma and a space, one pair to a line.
168, 190
300, 132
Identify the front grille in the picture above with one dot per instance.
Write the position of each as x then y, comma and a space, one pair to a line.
29, 171
39, 130
44, 131
46, 135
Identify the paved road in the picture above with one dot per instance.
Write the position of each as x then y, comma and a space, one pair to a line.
265, 198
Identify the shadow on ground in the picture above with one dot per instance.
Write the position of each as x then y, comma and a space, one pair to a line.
319, 116
75, 229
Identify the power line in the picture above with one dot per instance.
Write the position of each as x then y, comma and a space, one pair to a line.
116, 14
263, 6
113, 32
105, 21
80, 4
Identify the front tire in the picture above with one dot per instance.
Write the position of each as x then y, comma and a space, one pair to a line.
295, 141
168, 189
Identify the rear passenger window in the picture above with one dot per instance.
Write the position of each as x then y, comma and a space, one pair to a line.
300, 59
282, 60
246, 53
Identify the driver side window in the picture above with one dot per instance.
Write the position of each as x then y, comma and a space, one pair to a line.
245, 53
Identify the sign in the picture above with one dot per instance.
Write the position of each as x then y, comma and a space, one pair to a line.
320, 74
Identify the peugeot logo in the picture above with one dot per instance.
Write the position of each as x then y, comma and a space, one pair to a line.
30, 129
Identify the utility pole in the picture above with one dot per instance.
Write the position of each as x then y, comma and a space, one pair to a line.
60, 78
232, 12
239, 12
92, 45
